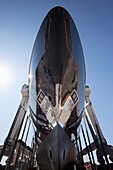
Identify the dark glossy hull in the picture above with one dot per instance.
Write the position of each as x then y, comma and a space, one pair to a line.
56, 90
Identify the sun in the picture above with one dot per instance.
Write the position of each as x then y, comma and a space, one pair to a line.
5, 76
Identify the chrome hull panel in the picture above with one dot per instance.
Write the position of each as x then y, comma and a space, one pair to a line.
57, 84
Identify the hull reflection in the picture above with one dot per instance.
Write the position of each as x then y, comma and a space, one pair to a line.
57, 83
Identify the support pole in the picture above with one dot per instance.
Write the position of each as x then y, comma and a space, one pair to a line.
87, 148
12, 137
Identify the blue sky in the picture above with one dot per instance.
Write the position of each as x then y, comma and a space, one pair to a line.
19, 24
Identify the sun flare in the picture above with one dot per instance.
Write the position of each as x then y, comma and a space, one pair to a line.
5, 76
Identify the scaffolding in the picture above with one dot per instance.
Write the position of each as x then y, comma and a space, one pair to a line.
93, 152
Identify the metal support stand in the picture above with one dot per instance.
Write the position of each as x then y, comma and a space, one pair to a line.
100, 142
12, 137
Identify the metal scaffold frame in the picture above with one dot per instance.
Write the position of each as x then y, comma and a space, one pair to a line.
14, 147
104, 152
89, 139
